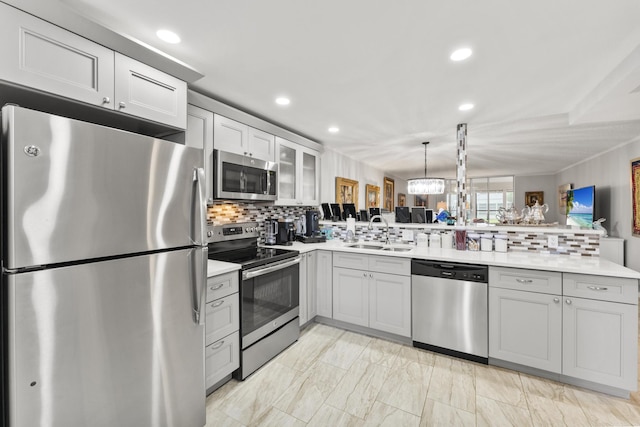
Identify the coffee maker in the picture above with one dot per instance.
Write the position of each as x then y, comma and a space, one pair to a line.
286, 232
270, 231
313, 224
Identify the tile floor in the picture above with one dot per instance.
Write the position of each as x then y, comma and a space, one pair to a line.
332, 377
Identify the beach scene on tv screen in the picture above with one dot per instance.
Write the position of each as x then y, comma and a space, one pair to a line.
581, 213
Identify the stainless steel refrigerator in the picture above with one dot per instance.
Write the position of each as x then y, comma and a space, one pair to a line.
103, 271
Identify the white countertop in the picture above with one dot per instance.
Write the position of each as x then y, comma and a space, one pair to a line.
536, 261
215, 268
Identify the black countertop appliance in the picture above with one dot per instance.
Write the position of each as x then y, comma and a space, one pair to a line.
286, 233
313, 222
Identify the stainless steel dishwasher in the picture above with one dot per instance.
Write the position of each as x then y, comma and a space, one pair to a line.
449, 308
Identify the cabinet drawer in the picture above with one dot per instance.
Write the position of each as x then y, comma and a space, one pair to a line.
548, 282
223, 318
601, 288
391, 265
222, 285
349, 260
221, 358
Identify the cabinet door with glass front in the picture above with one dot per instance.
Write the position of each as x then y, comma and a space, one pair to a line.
298, 180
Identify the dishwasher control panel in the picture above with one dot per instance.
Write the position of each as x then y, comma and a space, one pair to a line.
450, 270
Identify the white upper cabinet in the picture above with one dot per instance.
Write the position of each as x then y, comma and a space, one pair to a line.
43, 56
200, 135
145, 92
299, 179
235, 137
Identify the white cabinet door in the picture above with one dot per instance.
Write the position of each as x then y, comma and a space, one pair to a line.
390, 303
262, 145
600, 342
312, 285
143, 91
351, 296
324, 284
230, 136
525, 328
304, 289
288, 166
43, 56
309, 177
199, 134
298, 178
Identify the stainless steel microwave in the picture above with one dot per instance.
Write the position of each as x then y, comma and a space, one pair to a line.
239, 177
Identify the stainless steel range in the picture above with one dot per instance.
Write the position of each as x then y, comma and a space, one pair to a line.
269, 292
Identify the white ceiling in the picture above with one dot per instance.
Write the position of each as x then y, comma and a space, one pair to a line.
554, 81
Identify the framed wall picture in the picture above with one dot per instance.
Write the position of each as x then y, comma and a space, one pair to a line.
635, 197
420, 200
389, 190
531, 197
402, 199
346, 191
562, 198
372, 196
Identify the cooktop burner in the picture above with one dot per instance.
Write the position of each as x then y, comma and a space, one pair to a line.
238, 243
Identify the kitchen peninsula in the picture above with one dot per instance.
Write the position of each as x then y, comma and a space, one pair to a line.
564, 317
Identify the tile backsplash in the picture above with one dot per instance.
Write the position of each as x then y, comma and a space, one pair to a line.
570, 243
225, 212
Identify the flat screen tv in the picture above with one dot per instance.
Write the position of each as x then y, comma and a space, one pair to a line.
580, 206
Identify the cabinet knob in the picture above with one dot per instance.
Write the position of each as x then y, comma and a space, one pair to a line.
217, 303
364, 274
556, 300
106, 100
371, 275
217, 345
568, 302
122, 105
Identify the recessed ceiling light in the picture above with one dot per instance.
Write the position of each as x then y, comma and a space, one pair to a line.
334, 129
283, 101
168, 36
465, 107
461, 54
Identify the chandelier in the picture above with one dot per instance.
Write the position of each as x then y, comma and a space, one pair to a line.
425, 185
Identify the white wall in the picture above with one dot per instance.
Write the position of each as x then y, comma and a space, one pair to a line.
333, 164
611, 174
546, 183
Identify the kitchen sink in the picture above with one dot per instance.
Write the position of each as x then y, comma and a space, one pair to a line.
396, 249
364, 246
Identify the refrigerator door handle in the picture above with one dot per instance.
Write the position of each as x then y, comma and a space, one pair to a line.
199, 208
198, 283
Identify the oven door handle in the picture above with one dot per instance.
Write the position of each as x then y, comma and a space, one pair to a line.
250, 274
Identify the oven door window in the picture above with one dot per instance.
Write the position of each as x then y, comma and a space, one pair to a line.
244, 179
267, 297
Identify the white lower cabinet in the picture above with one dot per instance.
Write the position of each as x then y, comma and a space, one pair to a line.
526, 328
222, 326
375, 299
324, 284
351, 296
586, 329
600, 342
308, 286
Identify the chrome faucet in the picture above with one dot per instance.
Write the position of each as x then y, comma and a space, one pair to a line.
386, 240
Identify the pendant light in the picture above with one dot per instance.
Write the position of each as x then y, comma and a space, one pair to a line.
425, 185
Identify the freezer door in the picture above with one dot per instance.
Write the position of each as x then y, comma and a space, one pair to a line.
75, 190
113, 343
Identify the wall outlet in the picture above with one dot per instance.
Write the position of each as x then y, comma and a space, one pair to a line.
552, 242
